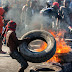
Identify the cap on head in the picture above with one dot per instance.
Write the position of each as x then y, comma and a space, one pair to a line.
11, 25
56, 4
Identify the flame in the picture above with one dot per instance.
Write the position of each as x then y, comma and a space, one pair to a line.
61, 46
43, 47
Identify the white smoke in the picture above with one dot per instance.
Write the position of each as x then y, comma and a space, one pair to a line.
43, 2
37, 21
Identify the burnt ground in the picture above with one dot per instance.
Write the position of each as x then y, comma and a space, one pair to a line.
7, 64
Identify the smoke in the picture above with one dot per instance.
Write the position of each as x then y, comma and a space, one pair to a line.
15, 11
37, 21
43, 2
15, 14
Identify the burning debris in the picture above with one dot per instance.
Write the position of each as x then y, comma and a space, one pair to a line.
61, 61
61, 47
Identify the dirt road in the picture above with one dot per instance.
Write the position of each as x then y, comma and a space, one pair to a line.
7, 64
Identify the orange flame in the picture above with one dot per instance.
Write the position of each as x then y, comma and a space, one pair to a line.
61, 46
43, 47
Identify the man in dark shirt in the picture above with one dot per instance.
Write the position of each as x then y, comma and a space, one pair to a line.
51, 14
66, 13
13, 42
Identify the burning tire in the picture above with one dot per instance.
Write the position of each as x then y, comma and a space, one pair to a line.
38, 57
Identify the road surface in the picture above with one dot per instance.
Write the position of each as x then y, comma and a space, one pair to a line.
7, 64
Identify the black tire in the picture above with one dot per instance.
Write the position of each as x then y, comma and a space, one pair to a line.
38, 57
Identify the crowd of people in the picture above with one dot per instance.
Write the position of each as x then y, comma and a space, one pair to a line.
61, 17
